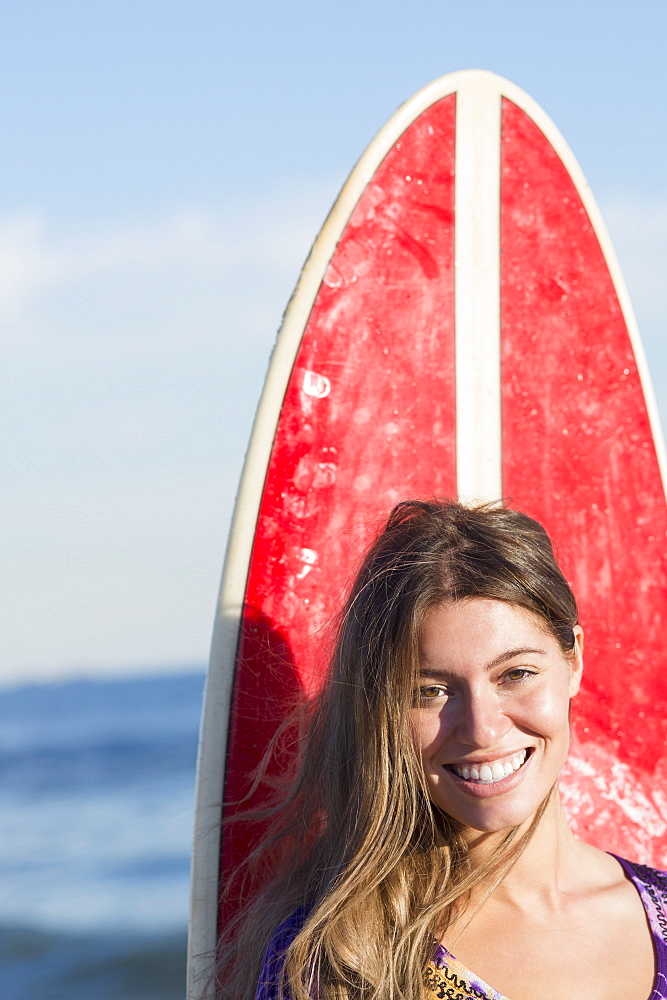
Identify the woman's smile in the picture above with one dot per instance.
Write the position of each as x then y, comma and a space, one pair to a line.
491, 719
493, 776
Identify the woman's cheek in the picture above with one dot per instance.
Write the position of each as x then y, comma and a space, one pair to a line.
427, 729
545, 710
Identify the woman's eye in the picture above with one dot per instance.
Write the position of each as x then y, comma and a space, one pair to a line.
432, 691
519, 674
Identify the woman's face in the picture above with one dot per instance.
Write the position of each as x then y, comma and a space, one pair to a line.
492, 718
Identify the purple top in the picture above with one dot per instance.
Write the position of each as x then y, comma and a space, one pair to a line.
444, 971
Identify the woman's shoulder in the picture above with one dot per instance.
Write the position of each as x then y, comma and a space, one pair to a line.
269, 977
651, 883
653, 878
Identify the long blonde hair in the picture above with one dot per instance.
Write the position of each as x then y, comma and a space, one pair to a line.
356, 843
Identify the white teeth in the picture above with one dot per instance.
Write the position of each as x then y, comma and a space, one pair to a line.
492, 771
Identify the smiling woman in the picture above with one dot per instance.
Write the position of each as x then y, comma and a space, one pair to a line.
422, 836
493, 710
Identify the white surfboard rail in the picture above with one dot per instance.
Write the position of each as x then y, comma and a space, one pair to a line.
478, 444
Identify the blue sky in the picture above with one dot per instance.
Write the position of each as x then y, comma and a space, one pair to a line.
165, 168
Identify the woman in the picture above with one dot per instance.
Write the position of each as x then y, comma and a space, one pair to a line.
424, 821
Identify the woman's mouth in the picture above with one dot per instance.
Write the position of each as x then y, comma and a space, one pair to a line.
491, 771
485, 774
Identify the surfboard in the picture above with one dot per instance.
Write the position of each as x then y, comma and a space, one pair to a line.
460, 328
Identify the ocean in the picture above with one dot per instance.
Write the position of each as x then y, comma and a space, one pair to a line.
96, 813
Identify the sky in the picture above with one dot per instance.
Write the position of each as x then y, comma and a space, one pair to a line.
165, 168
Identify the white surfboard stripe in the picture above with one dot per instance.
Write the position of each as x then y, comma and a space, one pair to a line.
477, 289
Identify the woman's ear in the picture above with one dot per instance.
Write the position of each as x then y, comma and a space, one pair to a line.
576, 660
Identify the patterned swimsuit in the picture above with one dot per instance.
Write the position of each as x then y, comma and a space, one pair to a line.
446, 978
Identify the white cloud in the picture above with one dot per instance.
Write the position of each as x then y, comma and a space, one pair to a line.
129, 344
265, 241
132, 360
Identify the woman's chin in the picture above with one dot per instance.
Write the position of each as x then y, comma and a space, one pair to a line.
489, 825
494, 818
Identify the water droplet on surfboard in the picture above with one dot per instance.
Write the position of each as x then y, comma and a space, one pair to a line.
316, 385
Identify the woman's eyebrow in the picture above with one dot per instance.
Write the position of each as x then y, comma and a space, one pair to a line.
442, 675
509, 654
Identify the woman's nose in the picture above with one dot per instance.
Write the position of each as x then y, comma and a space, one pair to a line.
482, 722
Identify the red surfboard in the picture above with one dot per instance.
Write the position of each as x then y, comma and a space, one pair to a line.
461, 327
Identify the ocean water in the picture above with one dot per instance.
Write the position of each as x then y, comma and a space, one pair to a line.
96, 812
